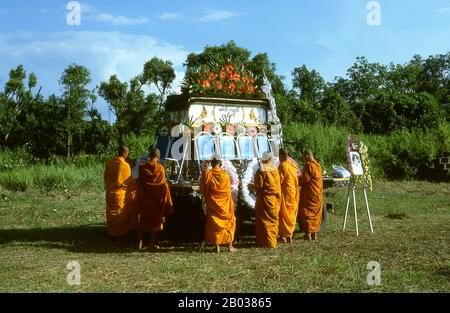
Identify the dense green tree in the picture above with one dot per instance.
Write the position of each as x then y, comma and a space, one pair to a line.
260, 64
15, 104
308, 85
161, 74
133, 109
47, 129
335, 110
75, 100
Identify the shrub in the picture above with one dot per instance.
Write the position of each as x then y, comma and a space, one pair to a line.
16, 180
404, 154
327, 142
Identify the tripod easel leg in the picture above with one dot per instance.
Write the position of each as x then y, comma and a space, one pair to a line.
354, 207
368, 211
346, 208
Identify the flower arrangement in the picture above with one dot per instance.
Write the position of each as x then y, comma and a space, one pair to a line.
361, 148
225, 80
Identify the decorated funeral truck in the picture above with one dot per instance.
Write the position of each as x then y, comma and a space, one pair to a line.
238, 129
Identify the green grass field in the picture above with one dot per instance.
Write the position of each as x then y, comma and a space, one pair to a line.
45, 227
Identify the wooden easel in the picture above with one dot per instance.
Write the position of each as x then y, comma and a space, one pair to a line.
351, 189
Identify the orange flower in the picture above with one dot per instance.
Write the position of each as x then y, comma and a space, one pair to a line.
236, 77
222, 74
250, 89
219, 85
212, 75
229, 68
206, 84
232, 87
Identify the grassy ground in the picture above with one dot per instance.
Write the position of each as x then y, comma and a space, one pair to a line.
41, 231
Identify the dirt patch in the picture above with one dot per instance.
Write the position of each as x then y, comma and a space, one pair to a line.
396, 216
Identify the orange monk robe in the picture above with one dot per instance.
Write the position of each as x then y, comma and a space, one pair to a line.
153, 195
215, 186
268, 196
121, 213
290, 196
311, 199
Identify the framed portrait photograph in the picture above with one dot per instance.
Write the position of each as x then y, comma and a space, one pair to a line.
355, 164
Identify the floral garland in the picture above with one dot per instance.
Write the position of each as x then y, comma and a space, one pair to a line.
247, 178
222, 80
361, 148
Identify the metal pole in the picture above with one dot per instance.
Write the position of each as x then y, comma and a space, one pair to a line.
356, 214
368, 211
346, 207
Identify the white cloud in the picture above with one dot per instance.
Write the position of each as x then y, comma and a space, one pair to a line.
217, 15
91, 13
116, 19
443, 10
103, 53
169, 16
87, 8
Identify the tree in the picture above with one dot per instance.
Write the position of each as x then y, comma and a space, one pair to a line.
47, 133
435, 77
335, 110
15, 103
217, 54
96, 134
309, 85
260, 65
364, 81
133, 109
232, 53
161, 74
75, 99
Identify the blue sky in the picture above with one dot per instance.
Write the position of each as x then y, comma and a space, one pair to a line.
117, 37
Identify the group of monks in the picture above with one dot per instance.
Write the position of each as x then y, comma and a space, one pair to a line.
143, 203
282, 199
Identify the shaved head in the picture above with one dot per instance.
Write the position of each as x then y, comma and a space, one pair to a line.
123, 150
283, 154
154, 152
308, 155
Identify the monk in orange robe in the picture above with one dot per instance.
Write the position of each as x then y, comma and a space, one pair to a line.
121, 213
215, 186
290, 196
268, 196
311, 198
154, 198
